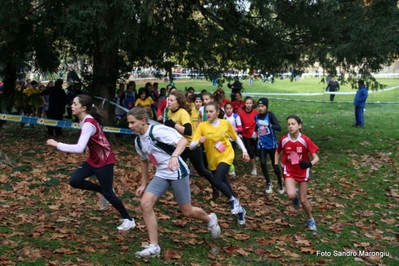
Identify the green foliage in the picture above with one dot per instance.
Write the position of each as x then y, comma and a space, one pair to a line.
269, 35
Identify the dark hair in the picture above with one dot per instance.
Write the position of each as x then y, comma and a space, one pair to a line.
170, 88
143, 90
33, 83
139, 113
253, 102
298, 120
130, 85
214, 104
162, 90
155, 84
148, 84
217, 107
219, 94
58, 83
207, 94
228, 103
182, 100
361, 82
99, 114
189, 96
190, 89
196, 96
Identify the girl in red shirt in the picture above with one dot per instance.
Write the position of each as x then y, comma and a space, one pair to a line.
296, 164
237, 104
247, 116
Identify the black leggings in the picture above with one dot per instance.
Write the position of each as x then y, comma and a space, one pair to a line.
105, 176
263, 164
196, 159
220, 180
250, 145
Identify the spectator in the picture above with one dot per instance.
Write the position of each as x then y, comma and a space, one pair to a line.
332, 85
235, 87
57, 101
359, 103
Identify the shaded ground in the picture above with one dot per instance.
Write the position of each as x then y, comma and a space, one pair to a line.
43, 221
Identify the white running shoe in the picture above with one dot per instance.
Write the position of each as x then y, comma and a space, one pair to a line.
241, 216
150, 251
215, 228
254, 172
235, 206
281, 190
127, 224
269, 188
311, 225
232, 174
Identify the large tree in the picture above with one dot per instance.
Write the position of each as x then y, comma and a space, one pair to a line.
267, 34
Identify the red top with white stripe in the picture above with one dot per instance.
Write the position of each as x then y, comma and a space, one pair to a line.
303, 146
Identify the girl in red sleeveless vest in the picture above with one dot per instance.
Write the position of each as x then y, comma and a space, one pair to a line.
101, 157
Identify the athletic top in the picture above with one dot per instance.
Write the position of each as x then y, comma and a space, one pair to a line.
147, 102
248, 122
301, 147
235, 121
194, 119
163, 109
237, 106
266, 134
202, 114
148, 149
92, 136
217, 137
181, 117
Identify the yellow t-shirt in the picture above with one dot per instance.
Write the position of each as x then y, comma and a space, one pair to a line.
143, 103
38, 103
213, 135
181, 117
194, 119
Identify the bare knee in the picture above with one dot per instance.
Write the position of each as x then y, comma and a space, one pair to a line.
303, 201
145, 206
291, 195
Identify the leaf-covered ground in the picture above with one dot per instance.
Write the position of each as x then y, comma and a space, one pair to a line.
43, 221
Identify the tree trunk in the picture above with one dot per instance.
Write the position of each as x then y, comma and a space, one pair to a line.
105, 74
105, 64
10, 77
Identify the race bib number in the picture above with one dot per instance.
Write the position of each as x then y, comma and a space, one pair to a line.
294, 158
263, 130
220, 146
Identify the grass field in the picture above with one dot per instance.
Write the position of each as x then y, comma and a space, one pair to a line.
354, 194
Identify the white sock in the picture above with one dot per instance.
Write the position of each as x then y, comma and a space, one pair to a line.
157, 247
211, 222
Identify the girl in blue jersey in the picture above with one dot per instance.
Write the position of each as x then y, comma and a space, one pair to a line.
266, 127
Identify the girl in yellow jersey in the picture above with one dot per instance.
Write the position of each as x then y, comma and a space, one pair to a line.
215, 134
195, 111
179, 119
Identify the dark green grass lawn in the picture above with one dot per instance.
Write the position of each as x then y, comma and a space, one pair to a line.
354, 194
